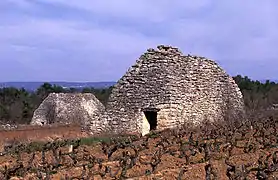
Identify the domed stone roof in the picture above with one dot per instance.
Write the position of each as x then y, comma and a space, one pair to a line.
70, 108
168, 89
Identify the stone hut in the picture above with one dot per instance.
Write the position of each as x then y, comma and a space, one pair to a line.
165, 89
70, 108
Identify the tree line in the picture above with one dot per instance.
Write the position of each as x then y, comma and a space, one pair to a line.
17, 105
257, 95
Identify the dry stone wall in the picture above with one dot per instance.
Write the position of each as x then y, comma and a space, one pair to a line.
184, 88
70, 108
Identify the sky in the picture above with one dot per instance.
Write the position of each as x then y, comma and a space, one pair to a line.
98, 40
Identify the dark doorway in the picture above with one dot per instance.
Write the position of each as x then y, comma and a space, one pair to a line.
151, 116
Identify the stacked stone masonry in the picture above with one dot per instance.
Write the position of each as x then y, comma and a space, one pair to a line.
181, 88
70, 108
184, 88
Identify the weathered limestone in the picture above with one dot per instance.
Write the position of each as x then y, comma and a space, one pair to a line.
145, 126
164, 89
69, 108
182, 88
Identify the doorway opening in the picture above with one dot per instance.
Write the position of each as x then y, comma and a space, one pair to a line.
151, 116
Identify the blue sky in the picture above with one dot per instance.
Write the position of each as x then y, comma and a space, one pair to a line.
98, 40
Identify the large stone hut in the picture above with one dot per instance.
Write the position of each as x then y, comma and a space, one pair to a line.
165, 89
70, 108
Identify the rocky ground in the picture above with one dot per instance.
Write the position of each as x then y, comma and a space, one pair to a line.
210, 152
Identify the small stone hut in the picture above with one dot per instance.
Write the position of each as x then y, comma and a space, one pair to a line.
165, 89
70, 108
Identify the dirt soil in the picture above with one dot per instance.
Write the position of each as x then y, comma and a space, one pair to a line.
162, 155
39, 133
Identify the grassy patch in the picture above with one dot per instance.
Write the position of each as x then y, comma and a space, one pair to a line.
88, 141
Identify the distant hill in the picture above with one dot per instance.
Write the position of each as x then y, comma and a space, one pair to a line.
31, 86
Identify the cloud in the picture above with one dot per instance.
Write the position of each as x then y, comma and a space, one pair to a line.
48, 40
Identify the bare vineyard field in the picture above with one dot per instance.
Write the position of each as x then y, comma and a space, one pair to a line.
27, 133
237, 151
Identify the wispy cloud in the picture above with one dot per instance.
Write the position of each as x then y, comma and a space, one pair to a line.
98, 40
